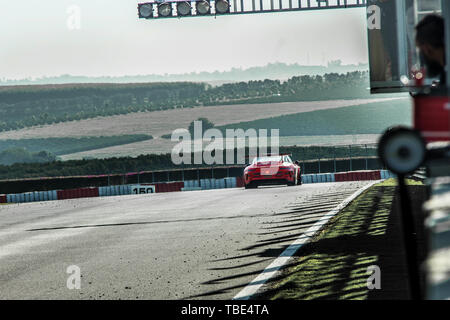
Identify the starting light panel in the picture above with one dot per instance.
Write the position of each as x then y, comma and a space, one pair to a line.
394, 59
183, 8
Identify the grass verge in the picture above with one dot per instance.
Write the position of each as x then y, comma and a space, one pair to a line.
333, 266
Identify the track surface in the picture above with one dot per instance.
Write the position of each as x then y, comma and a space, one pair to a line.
185, 245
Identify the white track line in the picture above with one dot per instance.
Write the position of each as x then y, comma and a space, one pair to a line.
274, 267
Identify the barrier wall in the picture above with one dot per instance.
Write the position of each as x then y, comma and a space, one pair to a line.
202, 184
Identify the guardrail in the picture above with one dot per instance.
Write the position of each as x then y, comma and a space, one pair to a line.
188, 185
174, 175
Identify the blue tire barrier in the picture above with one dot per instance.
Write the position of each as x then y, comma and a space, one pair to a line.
314, 178
386, 174
332, 179
53, 195
11, 198
305, 178
222, 184
230, 182
102, 191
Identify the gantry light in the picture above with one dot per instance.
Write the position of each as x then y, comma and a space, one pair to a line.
183, 8
203, 7
222, 6
154, 9
165, 9
145, 10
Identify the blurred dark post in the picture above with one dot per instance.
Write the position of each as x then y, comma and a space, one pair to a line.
409, 237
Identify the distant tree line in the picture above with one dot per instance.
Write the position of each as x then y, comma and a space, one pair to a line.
21, 155
25, 106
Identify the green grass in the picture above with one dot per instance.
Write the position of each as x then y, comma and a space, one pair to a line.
372, 118
393, 182
62, 146
334, 265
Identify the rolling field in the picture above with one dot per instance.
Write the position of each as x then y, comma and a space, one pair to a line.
163, 146
158, 123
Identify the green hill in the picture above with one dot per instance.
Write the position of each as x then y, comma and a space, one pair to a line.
372, 118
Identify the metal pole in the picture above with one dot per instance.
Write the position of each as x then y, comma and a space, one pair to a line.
334, 157
350, 154
367, 155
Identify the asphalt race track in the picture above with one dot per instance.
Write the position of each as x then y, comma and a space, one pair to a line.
183, 245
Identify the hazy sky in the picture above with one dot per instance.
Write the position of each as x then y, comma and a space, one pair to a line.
36, 41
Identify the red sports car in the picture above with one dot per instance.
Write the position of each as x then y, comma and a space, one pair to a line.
271, 170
